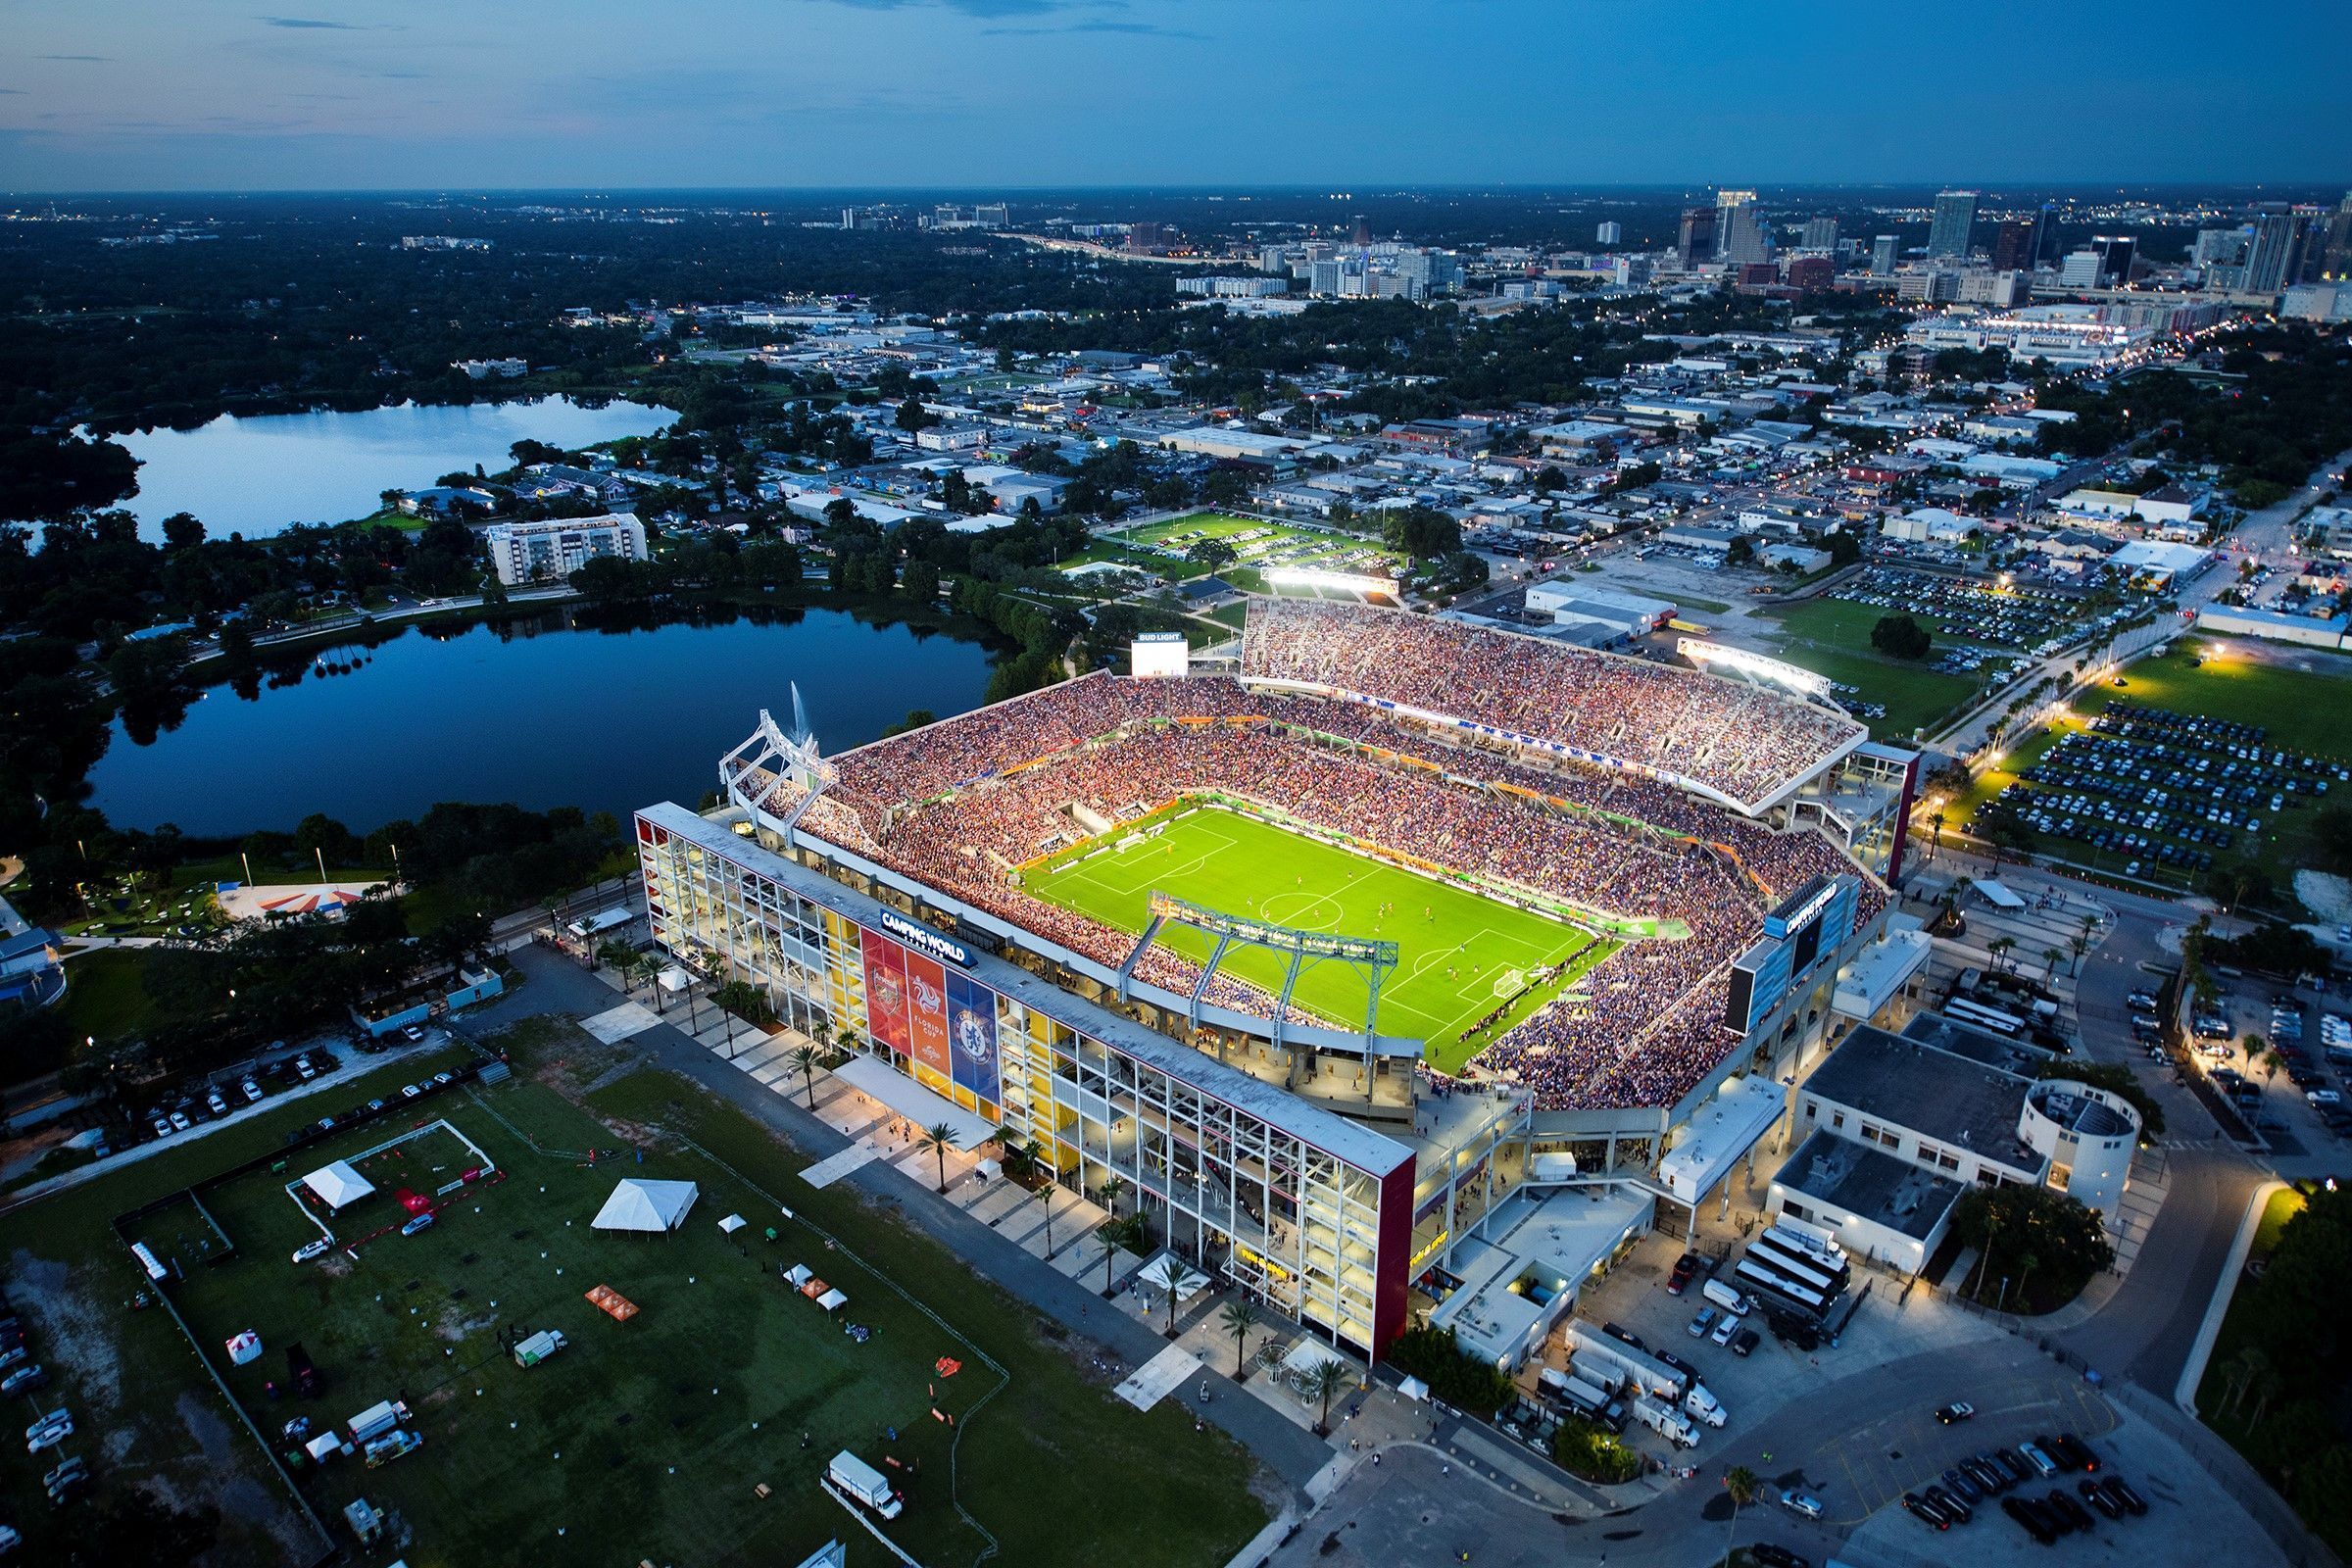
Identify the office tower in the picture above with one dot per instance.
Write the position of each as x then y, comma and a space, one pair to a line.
1695, 240
2013, 245
1948, 232
2277, 253
2115, 258
2081, 269
1727, 204
1811, 273
1611, 233
2219, 247
1882, 255
1821, 234
2335, 256
1361, 234
991, 215
1747, 244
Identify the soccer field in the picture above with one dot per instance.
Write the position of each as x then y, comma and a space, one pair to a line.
1455, 946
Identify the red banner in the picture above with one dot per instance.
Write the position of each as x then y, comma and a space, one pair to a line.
927, 1011
885, 989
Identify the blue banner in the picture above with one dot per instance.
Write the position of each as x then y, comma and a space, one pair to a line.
972, 1036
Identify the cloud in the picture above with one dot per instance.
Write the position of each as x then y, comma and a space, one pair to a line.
1140, 28
312, 24
79, 57
12, 92
970, 8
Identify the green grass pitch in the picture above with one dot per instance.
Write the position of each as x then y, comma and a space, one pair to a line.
1452, 944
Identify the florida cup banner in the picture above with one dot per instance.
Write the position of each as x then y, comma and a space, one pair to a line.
885, 990
927, 1012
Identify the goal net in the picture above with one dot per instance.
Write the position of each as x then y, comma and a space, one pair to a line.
1511, 982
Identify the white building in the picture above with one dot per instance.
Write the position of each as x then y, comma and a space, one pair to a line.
550, 551
1896, 1127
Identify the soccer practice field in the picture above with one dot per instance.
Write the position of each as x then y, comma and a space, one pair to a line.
1454, 946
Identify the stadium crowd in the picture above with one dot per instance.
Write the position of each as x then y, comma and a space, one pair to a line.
963, 802
1740, 740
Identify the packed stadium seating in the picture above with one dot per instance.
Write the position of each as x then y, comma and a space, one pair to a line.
1743, 741
960, 802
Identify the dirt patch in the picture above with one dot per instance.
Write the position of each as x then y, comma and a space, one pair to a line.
2328, 896
73, 1327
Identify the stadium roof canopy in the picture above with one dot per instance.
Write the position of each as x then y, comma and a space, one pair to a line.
338, 1186
643, 1205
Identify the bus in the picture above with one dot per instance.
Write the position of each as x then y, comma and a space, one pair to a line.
1779, 1287
1984, 1018
1813, 1275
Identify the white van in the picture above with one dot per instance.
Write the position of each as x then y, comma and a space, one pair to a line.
1725, 1296
865, 1482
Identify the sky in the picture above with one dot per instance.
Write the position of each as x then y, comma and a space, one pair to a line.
1006, 94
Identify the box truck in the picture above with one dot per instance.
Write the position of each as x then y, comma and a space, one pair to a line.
538, 1348
1666, 1421
865, 1482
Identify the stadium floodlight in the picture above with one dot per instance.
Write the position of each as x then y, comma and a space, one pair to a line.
1310, 577
1755, 665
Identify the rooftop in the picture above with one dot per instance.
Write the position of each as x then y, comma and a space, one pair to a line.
1868, 1184
1942, 1094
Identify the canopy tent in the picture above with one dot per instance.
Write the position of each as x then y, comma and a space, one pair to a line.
832, 1301
875, 1079
338, 1186
1168, 1268
733, 1223
798, 1275
637, 1205
1997, 894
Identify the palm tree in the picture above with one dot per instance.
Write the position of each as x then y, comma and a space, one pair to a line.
936, 1142
804, 1058
1237, 1320
1742, 1483
2265, 1385
2049, 962
2254, 1046
1324, 1383
2081, 942
2241, 1370
2026, 1263
648, 969
623, 959
2271, 1060
1174, 1283
1109, 1194
1998, 950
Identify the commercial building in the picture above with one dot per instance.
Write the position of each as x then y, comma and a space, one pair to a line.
1954, 219
1820, 234
1308, 1212
1896, 1127
1695, 239
1882, 256
555, 548
1609, 233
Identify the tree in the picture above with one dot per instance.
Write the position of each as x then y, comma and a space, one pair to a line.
1211, 555
1109, 1194
1741, 1484
936, 1142
623, 959
805, 1059
2271, 1060
912, 415
1172, 1288
2332, 839
1324, 1383
1899, 636
1237, 1320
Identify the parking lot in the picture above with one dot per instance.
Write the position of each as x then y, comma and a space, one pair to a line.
1985, 616
2302, 1103
2162, 790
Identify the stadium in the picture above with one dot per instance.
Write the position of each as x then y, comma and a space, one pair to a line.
1432, 899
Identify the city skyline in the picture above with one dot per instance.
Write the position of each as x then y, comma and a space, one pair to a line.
1026, 94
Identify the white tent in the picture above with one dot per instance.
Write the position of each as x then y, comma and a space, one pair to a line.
643, 1205
338, 1186
1156, 1274
732, 1223
832, 1301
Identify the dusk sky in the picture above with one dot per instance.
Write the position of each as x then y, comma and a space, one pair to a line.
198, 94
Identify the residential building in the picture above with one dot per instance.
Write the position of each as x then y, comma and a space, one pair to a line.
1609, 233
555, 548
2275, 258
1954, 219
1821, 234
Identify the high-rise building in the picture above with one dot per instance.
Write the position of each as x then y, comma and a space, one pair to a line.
1273, 259
1882, 255
1609, 233
2335, 256
2275, 257
1727, 204
2013, 245
2081, 269
991, 215
1955, 217
1821, 234
1694, 240
1747, 244
2116, 254
2220, 247
1361, 234
1812, 273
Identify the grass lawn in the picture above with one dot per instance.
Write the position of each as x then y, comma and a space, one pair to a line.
1449, 962
1831, 637
1303, 546
2283, 1204
104, 996
642, 1440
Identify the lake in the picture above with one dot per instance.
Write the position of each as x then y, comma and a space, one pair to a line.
259, 475
536, 712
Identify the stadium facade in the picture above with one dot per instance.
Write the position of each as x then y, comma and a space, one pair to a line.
877, 899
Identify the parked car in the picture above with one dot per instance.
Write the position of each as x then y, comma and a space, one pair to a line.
1745, 1340
2074, 1513
66, 1481
2078, 1452
219, 1104
180, 1122
24, 1380
1700, 1324
1960, 1511
1618, 1331
420, 1223
1925, 1512
2096, 1496
2032, 1518
2121, 1490
1956, 1412
1802, 1503
412, 1035
1774, 1556
251, 1090
49, 1430
1961, 1486
1679, 1276
310, 1250
1726, 1329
